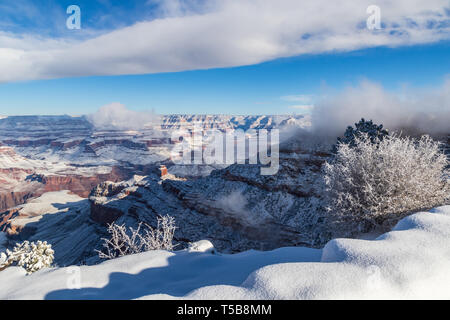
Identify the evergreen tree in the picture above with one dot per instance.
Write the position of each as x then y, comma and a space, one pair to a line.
374, 132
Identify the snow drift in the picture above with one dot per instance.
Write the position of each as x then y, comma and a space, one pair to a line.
410, 262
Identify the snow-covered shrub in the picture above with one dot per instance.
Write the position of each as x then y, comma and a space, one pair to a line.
373, 131
160, 238
371, 181
125, 241
29, 255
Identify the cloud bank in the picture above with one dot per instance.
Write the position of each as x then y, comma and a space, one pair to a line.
411, 111
116, 116
224, 34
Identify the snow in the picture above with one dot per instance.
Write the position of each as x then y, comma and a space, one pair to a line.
48, 203
410, 262
201, 246
53, 165
193, 170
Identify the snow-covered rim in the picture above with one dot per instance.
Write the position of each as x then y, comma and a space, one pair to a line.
410, 262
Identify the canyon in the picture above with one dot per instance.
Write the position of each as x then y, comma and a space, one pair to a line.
63, 181
47, 159
51, 153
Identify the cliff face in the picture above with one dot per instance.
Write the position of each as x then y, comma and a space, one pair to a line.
15, 188
22, 179
81, 185
12, 199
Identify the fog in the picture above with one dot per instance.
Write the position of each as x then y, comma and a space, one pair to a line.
411, 110
116, 116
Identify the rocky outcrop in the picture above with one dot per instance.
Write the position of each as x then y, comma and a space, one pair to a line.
30, 185
107, 189
28, 143
82, 185
12, 199
5, 220
104, 215
118, 142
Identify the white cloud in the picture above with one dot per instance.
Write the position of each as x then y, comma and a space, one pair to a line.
302, 98
227, 33
304, 102
116, 116
413, 110
305, 108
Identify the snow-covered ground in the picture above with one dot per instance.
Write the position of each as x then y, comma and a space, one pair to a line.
49, 203
10, 159
410, 262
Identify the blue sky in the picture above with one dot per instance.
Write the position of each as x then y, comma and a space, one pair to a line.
106, 62
48, 17
258, 89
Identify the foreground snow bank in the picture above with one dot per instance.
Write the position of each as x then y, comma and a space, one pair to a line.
412, 261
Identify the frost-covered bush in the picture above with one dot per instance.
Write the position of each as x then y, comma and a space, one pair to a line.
373, 131
29, 255
369, 181
125, 241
